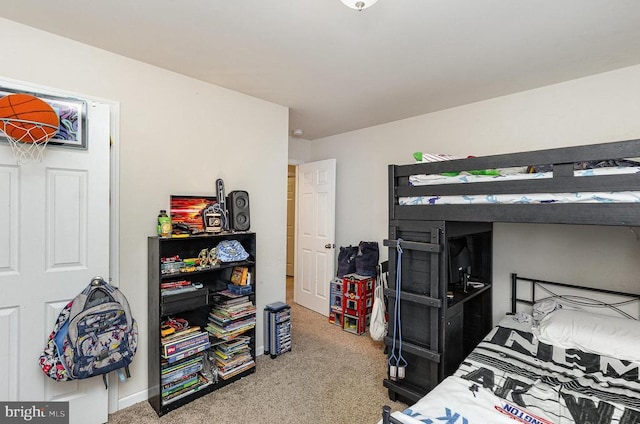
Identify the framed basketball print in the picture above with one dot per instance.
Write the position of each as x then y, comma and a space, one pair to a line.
72, 113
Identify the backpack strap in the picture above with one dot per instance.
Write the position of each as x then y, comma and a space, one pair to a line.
50, 359
122, 375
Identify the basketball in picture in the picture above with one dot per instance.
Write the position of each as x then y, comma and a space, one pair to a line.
27, 118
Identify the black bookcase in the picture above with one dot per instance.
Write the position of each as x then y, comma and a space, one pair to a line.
194, 306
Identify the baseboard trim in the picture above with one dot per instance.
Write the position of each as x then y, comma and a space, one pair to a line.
130, 400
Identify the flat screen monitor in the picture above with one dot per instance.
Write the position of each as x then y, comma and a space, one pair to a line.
460, 258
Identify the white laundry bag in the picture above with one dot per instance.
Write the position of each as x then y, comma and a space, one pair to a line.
378, 324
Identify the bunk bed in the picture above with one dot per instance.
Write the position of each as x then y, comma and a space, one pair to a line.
521, 371
432, 213
562, 179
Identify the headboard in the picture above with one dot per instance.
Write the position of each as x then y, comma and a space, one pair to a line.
536, 289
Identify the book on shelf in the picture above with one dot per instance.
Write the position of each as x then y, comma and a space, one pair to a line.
234, 345
180, 334
232, 309
223, 318
233, 330
167, 367
179, 384
227, 351
180, 389
233, 300
239, 275
173, 284
184, 344
177, 290
187, 353
226, 358
232, 305
233, 357
229, 365
185, 391
225, 375
231, 295
182, 369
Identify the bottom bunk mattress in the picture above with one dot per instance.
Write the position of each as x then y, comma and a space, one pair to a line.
513, 377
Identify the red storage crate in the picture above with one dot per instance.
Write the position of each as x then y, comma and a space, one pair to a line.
357, 302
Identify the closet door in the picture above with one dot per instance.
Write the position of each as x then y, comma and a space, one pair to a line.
54, 237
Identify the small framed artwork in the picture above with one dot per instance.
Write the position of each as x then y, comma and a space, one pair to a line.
72, 112
188, 212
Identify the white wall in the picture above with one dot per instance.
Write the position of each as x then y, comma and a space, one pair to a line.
177, 135
299, 150
600, 108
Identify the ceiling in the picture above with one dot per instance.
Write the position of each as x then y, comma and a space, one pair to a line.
338, 69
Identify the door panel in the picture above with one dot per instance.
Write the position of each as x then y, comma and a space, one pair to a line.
315, 263
66, 231
9, 319
9, 225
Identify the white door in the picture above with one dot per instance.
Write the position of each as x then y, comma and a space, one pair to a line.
54, 236
315, 245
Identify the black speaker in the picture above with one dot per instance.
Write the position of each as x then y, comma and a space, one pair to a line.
238, 207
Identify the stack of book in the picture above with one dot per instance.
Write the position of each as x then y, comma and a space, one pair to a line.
232, 317
233, 357
182, 378
184, 343
182, 363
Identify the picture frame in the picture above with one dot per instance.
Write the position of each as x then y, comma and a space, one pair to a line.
72, 112
187, 213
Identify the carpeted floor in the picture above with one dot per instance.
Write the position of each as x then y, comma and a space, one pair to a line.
329, 377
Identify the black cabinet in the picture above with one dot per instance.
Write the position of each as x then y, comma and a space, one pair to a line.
188, 284
445, 299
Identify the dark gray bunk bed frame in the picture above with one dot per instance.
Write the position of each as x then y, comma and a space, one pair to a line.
563, 181
421, 231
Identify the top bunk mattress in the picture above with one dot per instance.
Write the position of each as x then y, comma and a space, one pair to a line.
513, 174
570, 175
596, 184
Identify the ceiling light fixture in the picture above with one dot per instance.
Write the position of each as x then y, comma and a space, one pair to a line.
359, 4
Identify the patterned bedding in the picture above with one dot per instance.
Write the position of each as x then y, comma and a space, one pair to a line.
529, 198
513, 174
511, 377
464, 178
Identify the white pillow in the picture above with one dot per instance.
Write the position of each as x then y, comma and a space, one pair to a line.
593, 333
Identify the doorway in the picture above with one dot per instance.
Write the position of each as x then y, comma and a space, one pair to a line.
291, 220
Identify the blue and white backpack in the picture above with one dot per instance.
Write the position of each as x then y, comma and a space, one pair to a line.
93, 335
